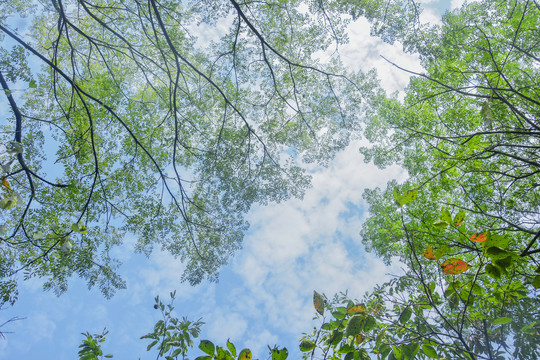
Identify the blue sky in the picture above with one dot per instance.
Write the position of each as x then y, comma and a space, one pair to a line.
264, 296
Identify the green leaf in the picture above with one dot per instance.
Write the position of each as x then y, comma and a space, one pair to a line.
529, 329
398, 354
354, 325
345, 348
176, 352
493, 271
504, 263
207, 347
32, 84
380, 337
369, 323
79, 228
500, 241
151, 345
495, 252
536, 282
440, 252
405, 315
8, 202
307, 345
439, 224
221, 353
502, 321
429, 351
278, 354
458, 219
336, 337
231, 348
405, 198
446, 216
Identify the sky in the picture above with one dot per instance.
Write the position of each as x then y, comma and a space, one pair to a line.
264, 296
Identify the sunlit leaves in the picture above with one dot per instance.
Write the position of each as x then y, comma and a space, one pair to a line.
407, 197
79, 228
439, 224
501, 321
440, 252
318, 302
9, 202
454, 266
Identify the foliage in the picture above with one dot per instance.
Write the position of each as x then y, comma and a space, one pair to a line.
91, 347
466, 223
172, 338
134, 127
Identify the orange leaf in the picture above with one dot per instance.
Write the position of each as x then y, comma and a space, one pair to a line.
479, 237
454, 266
318, 302
359, 338
429, 254
356, 309
6, 183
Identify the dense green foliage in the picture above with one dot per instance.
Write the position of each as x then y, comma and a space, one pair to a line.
128, 125
466, 223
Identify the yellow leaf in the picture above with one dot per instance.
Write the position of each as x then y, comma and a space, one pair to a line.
356, 309
6, 183
429, 254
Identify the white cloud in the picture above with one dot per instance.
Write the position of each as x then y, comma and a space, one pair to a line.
222, 326
364, 52
300, 245
456, 4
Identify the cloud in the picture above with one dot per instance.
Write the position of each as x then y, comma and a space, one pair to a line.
364, 52
300, 245
456, 4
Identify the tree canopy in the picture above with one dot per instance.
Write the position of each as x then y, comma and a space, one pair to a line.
465, 224
164, 121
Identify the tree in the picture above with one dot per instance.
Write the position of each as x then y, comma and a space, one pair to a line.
128, 126
466, 221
